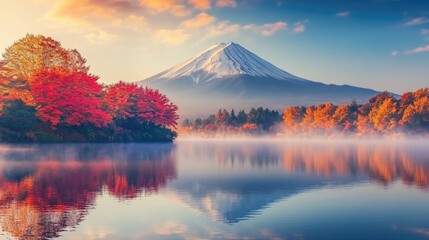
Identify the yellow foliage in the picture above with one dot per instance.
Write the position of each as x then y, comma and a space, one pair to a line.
383, 116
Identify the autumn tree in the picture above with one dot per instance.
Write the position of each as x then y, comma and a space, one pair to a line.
68, 98
13, 89
406, 100
363, 125
155, 107
383, 116
34, 53
344, 117
416, 113
292, 117
323, 116
379, 99
250, 127
308, 120
126, 100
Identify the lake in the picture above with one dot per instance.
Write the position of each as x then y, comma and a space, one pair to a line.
216, 189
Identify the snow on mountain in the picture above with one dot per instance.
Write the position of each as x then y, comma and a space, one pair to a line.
227, 75
225, 59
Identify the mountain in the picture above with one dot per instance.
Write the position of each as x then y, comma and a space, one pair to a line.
227, 75
234, 198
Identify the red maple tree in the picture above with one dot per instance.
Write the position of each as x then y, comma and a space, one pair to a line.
68, 97
127, 100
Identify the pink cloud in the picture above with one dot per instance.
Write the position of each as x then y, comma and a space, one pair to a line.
394, 53
201, 20
226, 3
422, 231
299, 27
417, 21
201, 4
418, 50
176, 8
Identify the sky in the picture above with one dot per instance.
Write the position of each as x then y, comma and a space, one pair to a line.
378, 44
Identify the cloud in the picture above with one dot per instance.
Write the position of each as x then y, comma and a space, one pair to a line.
424, 32
422, 231
343, 14
81, 12
222, 28
299, 27
203, 26
174, 7
183, 8
133, 22
103, 21
418, 50
172, 37
267, 29
394, 53
100, 37
417, 21
97, 20
201, 20
226, 3
201, 4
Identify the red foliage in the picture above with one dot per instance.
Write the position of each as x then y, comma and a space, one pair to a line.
118, 99
156, 107
70, 98
126, 100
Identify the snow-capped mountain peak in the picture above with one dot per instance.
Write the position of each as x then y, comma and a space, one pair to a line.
223, 60
226, 75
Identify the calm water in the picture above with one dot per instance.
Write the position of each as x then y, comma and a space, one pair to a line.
215, 190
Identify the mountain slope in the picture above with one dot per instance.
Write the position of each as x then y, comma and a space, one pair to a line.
223, 60
227, 75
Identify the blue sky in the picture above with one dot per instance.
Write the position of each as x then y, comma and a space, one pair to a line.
379, 44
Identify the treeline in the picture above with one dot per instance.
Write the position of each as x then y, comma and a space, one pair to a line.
48, 95
382, 114
256, 121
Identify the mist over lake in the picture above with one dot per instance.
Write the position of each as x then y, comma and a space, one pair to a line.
213, 189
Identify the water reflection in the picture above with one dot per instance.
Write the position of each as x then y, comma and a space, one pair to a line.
238, 180
46, 188
381, 162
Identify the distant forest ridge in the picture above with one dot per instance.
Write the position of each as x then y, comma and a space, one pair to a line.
381, 115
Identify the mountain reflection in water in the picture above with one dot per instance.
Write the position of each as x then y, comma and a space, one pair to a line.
47, 189
235, 181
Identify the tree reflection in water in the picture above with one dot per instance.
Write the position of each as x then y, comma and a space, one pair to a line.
383, 162
46, 188
237, 180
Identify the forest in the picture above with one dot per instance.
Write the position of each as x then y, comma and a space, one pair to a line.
381, 115
256, 122
48, 95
